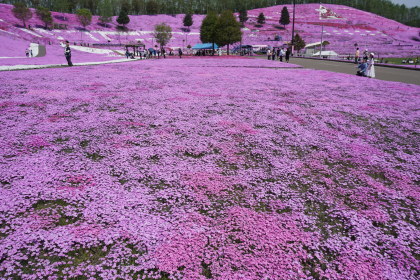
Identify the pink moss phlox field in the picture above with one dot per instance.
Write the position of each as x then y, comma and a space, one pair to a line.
207, 169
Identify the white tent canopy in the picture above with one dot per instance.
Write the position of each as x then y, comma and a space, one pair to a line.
316, 44
326, 53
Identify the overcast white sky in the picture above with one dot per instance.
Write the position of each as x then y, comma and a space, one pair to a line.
408, 3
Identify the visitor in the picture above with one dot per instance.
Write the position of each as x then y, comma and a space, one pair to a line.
163, 52
67, 53
27, 53
366, 54
371, 66
273, 55
357, 56
220, 52
281, 54
362, 68
268, 54
180, 53
287, 55
127, 53
32, 55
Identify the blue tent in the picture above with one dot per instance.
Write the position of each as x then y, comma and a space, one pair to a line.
205, 46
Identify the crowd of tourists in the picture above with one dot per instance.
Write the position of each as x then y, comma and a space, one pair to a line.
153, 53
365, 64
279, 54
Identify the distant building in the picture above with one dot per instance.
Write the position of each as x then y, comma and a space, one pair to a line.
310, 49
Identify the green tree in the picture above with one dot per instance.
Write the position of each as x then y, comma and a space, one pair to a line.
61, 6
152, 7
261, 18
136, 6
285, 17
22, 12
45, 16
298, 42
123, 17
105, 12
84, 16
125, 5
228, 30
188, 21
163, 34
243, 16
208, 30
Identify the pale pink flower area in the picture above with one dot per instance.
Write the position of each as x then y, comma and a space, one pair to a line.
207, 168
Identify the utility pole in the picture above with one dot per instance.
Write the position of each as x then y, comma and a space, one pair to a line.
293, 26
322, 33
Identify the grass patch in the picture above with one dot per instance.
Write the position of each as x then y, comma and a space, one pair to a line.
94, 156
192, 155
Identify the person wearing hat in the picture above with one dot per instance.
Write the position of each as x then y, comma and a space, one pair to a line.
371, 68
67, 53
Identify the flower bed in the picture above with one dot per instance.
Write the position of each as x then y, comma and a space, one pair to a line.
148, 170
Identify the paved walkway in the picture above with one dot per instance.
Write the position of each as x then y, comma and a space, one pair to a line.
382, 73
29, 67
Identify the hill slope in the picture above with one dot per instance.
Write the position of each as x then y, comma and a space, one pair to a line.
383, 36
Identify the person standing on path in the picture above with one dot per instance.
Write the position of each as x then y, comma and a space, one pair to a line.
366, 54
67, 53
180, 53
273, 55
371, 67
357, 56
281, 54
268, 54
287, 55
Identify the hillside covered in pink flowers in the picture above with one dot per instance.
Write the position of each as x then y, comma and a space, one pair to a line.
195, 169
380, 35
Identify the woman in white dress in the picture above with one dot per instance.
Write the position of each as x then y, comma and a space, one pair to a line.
371, 67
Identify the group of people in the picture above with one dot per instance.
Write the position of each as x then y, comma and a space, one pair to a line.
366, 66
145, 54
28, 52
279, 53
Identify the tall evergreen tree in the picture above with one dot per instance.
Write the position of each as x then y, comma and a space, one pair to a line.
228, 30
105, 12
125, 5
188, 21
22, 12
208, 31
261, 18
243, 16
285, 17
298, 42
45, 16
123, 17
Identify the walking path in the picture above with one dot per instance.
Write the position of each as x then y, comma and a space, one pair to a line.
29, 67
382, 72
